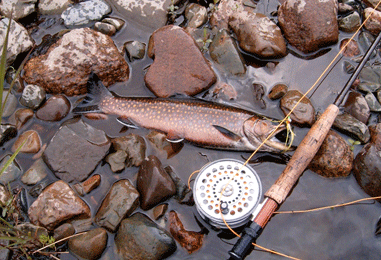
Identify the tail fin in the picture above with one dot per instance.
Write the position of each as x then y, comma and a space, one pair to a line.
96, 92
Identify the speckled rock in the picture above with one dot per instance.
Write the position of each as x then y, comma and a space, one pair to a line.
258, 35
226, 8
66, 66
90, 245
17, 9
53, 6
56, 204
32, 96
140, 238
19, 40
85, 12
196, 15
304, 113
373, 23
179, 66
309, 25
119, 203
334, 158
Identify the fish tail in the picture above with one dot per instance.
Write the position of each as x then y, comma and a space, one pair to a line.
96, 92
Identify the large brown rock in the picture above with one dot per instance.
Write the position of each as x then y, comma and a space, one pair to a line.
57, 203
68, 63
373, 24
179, 66
309, 25
304, 113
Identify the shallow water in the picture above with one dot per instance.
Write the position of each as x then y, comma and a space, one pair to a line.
341, 233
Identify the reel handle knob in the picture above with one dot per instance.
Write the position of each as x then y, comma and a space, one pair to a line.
249, 235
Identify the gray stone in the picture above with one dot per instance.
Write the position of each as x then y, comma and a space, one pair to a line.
352, 126
350, 23
135, 147
75, 150
11, 173
17, 9
135, 50
50, 7
7, 132
365, 40
10, 105
119, 203
90, 245
19, 40
373, 104
139, 238
357, 106
36, 173
57, 203
224, 52
85, 12
32, 96
117, 160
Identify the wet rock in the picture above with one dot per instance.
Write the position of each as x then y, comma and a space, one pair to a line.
368, 87
161, 143
36, 190
350, 23
5, 196
88, 185
278, 91
226, 8
348, 67
49, 7
134, 146
32, 230
135, 50
32, 96
369, 75
17, 9
221, 90
117, 160
11, 76
11, 173
357, 106
140, 238
32, 142
63, 231
105, 28
56, 204
367, 164
82, 225
372, 102
334, 158
353, 127
190, 240
169, 75
344, 8
258, 35
66, 66
309, 25
116, 22
351, 49
10, 105
181, 187
148, 13
372, 3
373, 23
259, 91
203, 37
7, 132
22, 116
223, 50
153, 183
304, 113
90, 245
75, 150
18, 41
36, 173
159, 211
365, 40
85, 12
196, 15
119, 203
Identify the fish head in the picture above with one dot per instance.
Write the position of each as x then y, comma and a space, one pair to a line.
257, 131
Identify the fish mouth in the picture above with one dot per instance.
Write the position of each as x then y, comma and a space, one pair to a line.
275, 143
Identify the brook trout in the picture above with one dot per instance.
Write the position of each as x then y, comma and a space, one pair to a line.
202, 123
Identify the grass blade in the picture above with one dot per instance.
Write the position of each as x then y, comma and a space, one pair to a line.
3, 64
12, 158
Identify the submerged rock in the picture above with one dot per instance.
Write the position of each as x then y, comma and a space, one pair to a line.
54, 109
334, 158
119, 203
57, 203
304, 113
66, 66
130, 151
153, 183
7, 132
352, 126
163, 145
196, 15
190, 240
32, 142
179, 67
351, 48
367, 164
309, 25
139, 238
36, 173
278, 91
90, 245
10, 105
11, 173
357, 106
75, 150
135, 50
88, 185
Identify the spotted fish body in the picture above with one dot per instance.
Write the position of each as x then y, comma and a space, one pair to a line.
202, 123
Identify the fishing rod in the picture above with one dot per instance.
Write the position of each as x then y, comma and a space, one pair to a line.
303, 155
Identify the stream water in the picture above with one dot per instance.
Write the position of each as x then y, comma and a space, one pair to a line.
341, 233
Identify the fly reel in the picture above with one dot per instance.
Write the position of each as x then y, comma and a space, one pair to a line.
226, 186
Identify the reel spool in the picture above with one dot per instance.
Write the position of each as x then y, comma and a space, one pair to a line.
241, 191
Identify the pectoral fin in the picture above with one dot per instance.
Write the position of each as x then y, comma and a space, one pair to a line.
174, 138
127, 122
227, 133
